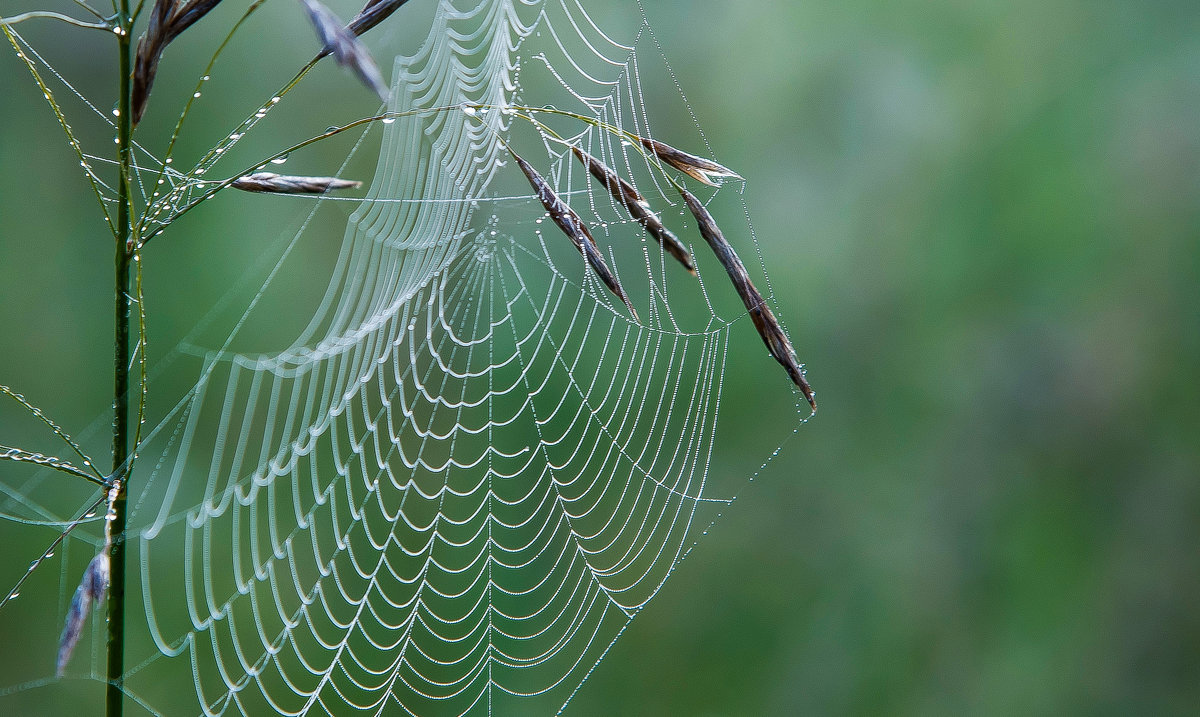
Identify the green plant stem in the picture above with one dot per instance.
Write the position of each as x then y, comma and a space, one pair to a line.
54, 16
114, 691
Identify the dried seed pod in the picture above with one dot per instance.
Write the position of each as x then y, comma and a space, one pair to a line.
92, 589
168, 19
698, 168
638, 208
189, 13
572, 225
344, 45
284, 184
373, 13
762, 316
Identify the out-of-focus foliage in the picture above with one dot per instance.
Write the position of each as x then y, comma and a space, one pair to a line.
982, 223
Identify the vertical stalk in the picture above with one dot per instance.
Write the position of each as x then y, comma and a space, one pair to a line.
114, 691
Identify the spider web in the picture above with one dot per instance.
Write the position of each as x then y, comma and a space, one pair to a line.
471, 470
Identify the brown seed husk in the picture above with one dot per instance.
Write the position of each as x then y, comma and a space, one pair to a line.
272, 183
572, 225
345, 46
637, 207
168, 19
373, 13
698, 168
762, 316
92, 589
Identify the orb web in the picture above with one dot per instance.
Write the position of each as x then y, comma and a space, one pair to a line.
472, 468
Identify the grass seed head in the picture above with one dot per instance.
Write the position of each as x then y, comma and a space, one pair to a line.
168, 19
764, 319
571, 224
698, 168
345, 46
92, 589
638, 208
272, 183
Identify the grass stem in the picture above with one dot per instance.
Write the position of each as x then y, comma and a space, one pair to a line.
114, 691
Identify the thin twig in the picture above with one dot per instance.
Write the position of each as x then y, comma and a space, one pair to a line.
90, 10
62, 122
38, 414
17, 455
49, 552
55, 16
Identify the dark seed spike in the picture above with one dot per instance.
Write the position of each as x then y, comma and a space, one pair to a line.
760, 313
149, 50
698, 168
188, 14
638, 208
271, 183
572, 225
345, 46
168, 19
373, 13
92, 589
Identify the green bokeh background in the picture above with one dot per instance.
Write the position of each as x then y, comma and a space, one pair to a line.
981, 220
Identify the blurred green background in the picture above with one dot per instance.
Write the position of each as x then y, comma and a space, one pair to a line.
981, 220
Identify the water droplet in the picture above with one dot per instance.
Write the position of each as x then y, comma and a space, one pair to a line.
280, 159
170, 159
468, 110
195, 94
206, 78
389, 120
275, 99
161, 181
116, 112
330, 129
13, 594
235, 136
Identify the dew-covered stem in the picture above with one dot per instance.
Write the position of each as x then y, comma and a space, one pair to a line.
125, 247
